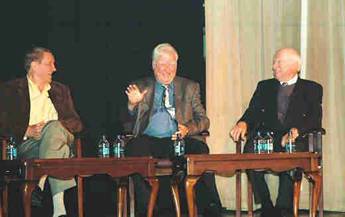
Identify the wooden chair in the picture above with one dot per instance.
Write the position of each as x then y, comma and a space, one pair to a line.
4, 196
314, 145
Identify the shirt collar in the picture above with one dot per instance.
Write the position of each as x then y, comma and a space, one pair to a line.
35, 88
163, 86
293, 80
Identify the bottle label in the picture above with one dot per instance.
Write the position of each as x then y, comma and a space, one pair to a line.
11, 153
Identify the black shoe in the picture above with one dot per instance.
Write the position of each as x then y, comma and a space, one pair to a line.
213, 210
37, 197
62, 215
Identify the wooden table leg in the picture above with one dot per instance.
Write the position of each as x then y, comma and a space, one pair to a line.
80, 199
121, 194
296, 196
316, 192
238, 193
27, 189
317, 181
153, 196
176, 196
190, 195
250, 199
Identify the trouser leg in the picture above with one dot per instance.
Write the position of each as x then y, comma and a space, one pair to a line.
260, 188
55, 143
285, 192
139, 147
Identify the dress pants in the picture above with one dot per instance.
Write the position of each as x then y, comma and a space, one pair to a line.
54, 142
261, 190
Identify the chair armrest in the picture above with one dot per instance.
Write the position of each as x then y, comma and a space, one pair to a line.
315, 139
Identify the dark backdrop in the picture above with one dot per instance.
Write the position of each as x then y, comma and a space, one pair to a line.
100, 46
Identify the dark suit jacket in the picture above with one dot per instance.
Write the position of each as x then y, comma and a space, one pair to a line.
189, 110
15, 107
304, 110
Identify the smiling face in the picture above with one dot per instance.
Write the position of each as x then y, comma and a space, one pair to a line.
43, 69
286, 64
164, 67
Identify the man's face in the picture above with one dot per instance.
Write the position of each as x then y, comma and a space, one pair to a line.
165, 67
45, 68
285, 65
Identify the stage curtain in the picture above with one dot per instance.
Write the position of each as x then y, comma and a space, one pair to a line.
241, 39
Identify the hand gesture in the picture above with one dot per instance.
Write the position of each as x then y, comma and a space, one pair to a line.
238, 131
134, 96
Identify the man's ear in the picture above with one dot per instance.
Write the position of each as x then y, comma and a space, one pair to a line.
33, 64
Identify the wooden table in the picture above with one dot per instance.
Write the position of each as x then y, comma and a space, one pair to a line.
276, 162
31, 170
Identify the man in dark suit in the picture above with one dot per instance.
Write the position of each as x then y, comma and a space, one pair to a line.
40, 114
281, 105
159, 108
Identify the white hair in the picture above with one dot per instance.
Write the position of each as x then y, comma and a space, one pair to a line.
163, 48
293, 54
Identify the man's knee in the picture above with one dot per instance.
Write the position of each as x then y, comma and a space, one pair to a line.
54, 129
194, 146
137, 147
55, 141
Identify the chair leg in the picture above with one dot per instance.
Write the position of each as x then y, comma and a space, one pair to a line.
80, 189
321, 203
190, 195
154, 183
176, 196
121, 199
27, 189
5, 201
296, 196
250, 198
238, 193
1, 209
131, 197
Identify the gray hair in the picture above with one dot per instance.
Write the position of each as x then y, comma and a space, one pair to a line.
34, 54
163, 48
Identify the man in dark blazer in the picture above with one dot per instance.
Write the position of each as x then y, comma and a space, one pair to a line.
281, 105
40, 114
160, 107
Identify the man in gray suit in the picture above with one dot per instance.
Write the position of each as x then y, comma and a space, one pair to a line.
159, 109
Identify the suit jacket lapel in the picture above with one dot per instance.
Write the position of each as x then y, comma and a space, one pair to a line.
145, 108
178, 99
24, 96
56, 96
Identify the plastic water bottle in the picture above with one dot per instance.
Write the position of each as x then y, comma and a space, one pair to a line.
259, 143
290, 146
119, 147
269, 142
11, 149
179, 146
103, 147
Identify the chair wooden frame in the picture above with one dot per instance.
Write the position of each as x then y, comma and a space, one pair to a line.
314, 145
